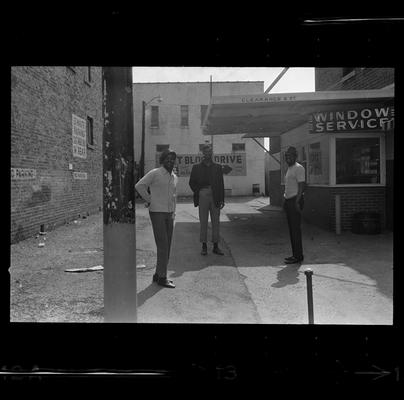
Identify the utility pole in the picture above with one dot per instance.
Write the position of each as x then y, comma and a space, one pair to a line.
141, 170
119, 233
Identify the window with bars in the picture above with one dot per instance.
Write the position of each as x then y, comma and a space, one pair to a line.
184, 116
90, 131
154, 123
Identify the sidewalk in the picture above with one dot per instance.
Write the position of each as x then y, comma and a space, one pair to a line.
352, 280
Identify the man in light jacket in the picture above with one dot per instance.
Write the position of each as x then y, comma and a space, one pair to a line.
162, 183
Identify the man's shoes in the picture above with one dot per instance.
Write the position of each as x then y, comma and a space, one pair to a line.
289, 258
204, 249
293, 260
216, 250
156, 278
165, 282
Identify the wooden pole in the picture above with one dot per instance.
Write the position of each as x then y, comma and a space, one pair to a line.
119, 233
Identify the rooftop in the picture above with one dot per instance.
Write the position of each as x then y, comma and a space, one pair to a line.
163, 83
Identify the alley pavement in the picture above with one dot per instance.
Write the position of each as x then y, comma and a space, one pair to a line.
352, 274
249, 284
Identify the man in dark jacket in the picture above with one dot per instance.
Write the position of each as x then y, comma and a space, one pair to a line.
206, 181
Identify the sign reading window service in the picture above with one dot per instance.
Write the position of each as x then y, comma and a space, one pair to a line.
366, 119
79, 175
233, 164
79, 133
23, 173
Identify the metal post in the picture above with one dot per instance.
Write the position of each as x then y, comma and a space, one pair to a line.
141, 170
308, 272
119, 232
338, 214
210, 93
276, 80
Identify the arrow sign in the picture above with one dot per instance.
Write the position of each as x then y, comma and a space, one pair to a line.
226, 169
377, 371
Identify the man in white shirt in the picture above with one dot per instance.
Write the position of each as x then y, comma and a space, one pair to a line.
293, 203
162, 183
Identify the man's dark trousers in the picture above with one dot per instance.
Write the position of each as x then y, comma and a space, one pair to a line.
294, 222
163, 225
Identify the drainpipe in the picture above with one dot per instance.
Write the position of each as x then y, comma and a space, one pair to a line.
119, 233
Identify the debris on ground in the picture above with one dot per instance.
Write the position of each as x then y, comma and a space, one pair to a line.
96, 268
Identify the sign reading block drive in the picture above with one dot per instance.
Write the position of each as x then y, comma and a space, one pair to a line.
79, 133
234, 164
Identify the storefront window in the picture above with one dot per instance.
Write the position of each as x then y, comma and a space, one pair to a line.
357, 160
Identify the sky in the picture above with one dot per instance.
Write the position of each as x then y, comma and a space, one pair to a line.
294, 80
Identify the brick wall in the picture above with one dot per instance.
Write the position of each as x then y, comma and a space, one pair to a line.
43, 100
320, 205
363, 78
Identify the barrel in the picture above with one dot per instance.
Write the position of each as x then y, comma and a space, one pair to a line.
366, 223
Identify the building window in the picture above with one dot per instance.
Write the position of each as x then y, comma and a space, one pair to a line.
154, 117
203, 112
162, 147
90, 131
184, 115
357, 160
202, 145
237, 147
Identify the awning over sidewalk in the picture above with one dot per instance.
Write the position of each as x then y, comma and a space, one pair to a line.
267, 115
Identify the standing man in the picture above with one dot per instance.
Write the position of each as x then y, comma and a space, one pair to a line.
162, 183
293, 203
206, 181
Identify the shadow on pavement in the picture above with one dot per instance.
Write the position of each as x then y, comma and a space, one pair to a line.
147, 293
186, 248
287, 276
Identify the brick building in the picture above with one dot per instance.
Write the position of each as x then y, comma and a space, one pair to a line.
344, 135
352, 156
56, 146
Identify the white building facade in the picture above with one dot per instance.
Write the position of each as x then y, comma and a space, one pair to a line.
176, 122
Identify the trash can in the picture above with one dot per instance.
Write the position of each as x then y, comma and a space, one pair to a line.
366, 223
256, 189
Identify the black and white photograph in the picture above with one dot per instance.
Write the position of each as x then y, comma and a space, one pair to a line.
202, 201
202, 195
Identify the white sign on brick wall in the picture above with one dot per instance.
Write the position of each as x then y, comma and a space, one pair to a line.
80, 175
79, 134
23, 173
